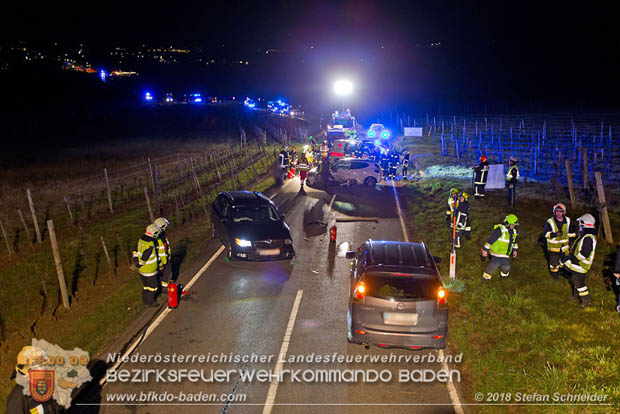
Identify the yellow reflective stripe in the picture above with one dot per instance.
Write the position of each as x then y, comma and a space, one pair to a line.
582, 289
586, 293
498, 255
153, 260
149, 288
487, 276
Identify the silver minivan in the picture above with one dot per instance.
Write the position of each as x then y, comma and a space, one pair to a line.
396, 297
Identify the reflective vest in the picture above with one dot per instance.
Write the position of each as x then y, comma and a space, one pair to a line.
452, 205
302, 167
500, 247
584, 262
555, 244
513, 170
324, 151
149, 265
163, 248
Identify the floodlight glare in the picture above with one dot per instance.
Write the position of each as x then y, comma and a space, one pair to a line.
343, 87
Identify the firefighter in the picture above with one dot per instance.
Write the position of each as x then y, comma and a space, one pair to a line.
147, 259
481, 172
302, 166
405, 167
385, 163
394, 162
502, 244
324, 149
559, 232
19, 403
462, 220
580, 258
163, 251
512, 178
453, 202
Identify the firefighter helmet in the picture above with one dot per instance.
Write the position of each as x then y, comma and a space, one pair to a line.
513, 159
511, 219
465, 195
454, 191
152, 231
559, 206
586, 221
29, 357
483, 158
162, 223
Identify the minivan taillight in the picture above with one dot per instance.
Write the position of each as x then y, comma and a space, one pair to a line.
441, 296
360, 291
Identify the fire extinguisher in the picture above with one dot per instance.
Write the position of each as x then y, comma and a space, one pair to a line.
332, 233
174, 293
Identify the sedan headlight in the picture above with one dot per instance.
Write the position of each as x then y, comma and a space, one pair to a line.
243, 243
288, 241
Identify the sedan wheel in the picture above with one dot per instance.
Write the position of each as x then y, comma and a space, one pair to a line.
370, 182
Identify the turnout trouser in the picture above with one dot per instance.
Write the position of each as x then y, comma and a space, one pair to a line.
503, 263
580, 290
511, 195
554, 263
150, 288
479, 190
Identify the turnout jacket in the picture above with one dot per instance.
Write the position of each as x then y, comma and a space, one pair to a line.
481, 173
559, 234
462, 217
513, 175
147, 256
582, 252
163, 249
502, 241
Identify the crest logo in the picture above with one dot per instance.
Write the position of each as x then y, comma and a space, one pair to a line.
41, 384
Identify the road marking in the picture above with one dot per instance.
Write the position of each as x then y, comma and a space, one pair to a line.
400, 214
454, 396
159, 318
273, 387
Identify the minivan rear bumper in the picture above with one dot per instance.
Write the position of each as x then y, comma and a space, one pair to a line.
435, 339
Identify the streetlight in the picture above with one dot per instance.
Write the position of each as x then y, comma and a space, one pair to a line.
343, 87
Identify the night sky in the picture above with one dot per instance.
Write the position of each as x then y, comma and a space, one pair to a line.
489, 51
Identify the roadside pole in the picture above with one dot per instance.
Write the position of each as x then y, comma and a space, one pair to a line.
453, 251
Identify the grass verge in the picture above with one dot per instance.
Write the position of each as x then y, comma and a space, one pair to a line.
522, 334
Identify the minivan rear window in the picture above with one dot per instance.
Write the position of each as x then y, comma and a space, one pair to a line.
401, 288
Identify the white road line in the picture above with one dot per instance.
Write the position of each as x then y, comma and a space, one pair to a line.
454, 396
160, 317
400, 214
273, 387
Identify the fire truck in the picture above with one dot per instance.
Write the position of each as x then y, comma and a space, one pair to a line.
342, 126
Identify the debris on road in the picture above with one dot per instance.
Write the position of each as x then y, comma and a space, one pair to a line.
351, 219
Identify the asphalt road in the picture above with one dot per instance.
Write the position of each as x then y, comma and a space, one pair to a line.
245, 308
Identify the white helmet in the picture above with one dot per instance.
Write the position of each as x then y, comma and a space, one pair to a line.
29, 357
586, 221
162, 223
559, 206
513, 159
152, 231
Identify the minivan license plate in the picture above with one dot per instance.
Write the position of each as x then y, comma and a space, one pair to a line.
400, 318
269, 252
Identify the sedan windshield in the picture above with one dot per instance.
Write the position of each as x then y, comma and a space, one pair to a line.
255, 214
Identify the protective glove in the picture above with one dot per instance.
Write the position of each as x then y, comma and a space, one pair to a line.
564, 249
553, 235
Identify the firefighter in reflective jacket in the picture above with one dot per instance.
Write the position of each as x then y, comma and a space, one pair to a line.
501, 245
163, 251
147, 259
559, 231
462, 220
581, 256
394, 162
324, 150
405, 164
512, 179
481, 172
453, 203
